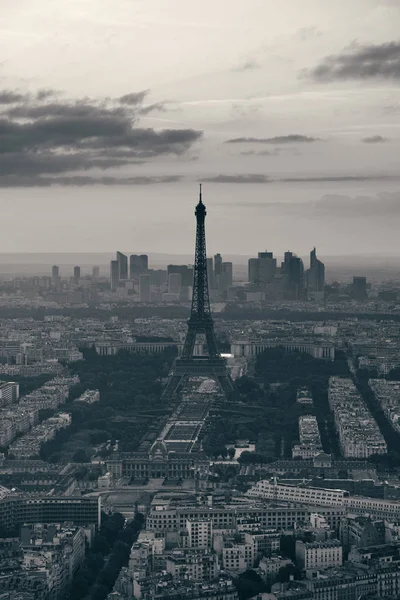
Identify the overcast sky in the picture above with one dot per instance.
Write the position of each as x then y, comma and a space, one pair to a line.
113, 110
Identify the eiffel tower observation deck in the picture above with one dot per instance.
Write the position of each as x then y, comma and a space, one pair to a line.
211, 365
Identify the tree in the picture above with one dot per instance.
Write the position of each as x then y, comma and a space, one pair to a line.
287, 573
249, 584
231, 452
101, 545
80, 456
99, 592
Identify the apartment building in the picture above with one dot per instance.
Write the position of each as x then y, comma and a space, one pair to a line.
387, 394
271, 490
359, 435
9, 392
310, 440
199, 532
319, 555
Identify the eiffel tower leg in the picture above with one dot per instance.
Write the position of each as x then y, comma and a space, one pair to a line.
226, 384
211, 341
190, 341
172, 386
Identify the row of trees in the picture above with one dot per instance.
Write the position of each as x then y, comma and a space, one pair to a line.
267, 413
109, 553
130, 388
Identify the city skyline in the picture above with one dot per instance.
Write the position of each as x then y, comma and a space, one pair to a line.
287, 114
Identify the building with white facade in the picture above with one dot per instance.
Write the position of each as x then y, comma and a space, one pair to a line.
271, 490
359, 435
319, 555
310, 440
199, 533
9, 392
387, 394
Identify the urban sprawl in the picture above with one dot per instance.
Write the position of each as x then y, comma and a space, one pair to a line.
188, 433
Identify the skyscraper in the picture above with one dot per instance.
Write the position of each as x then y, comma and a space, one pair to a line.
226, 276
138, 264
293, 270
77, 274
185, 271
217, 270
144, 288
114, 275
95, 272
122, 260
55, 272
266, 267
253, 272
359, 288
262, 270
217, 265
210, 273
315, 274
174, 283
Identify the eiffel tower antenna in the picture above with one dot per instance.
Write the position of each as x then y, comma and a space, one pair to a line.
200, 322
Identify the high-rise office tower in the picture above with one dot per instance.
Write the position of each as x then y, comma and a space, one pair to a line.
217, 265
122, 260
266, 267
114, 275
77, 274
210, 273
96, 272
293, 270
359, 288
252, 270
226, 276
55, 272
315, 274
174, 283
144, 288
185, 271
138, 264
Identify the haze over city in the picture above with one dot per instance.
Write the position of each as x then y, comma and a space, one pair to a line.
289, 114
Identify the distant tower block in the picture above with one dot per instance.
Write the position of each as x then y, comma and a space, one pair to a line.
200, 322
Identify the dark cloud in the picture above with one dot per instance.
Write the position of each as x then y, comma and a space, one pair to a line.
11, 97
293, 138
134, 98
374, 139
157, 106
249, 178
27, 163
79, 110
274, 152
81, 180
40, 137
334, 178
46, 93
360, 62
249, 65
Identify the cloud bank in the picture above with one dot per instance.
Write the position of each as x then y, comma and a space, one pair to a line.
293, 138
360, 62
43, 136
374, 139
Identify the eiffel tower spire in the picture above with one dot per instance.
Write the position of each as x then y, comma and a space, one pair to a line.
200, 322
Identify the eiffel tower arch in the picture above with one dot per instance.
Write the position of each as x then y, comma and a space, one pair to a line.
200, 322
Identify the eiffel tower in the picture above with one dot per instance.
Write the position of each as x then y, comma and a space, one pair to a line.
200, 322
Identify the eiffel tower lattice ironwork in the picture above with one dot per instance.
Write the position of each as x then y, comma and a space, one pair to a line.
200, 322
